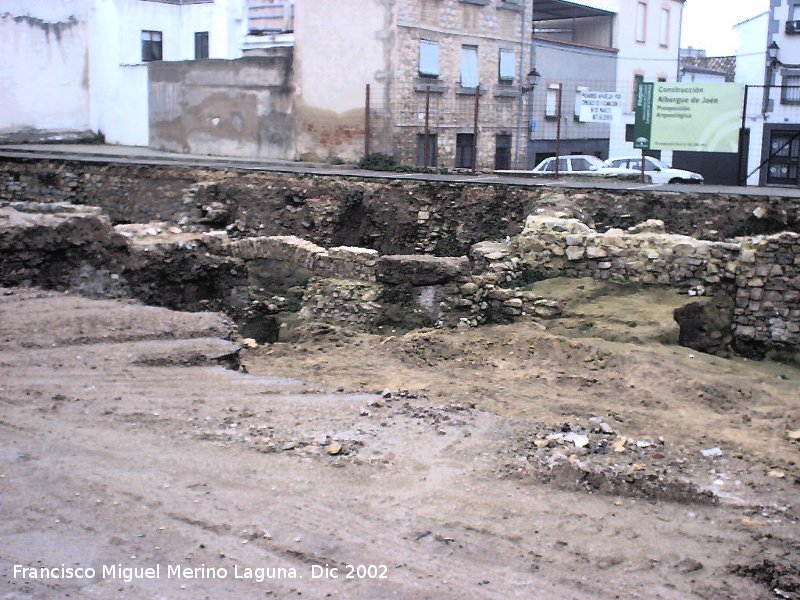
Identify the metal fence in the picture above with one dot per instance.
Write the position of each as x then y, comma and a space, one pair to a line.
503, 127
494, 126
769, 149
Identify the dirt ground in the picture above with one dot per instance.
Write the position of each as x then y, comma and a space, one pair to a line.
430, 464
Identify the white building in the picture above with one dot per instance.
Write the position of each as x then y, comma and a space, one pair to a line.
780, 139
81, 65
751, 67
648, 35
768, 63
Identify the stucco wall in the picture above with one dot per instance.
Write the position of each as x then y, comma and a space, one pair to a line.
340, 48
76, 65
44, 46
235, 108
119, 78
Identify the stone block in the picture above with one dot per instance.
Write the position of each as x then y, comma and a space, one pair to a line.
574, 240
596, 252
649, 226
575, 252
747, 256
420, 269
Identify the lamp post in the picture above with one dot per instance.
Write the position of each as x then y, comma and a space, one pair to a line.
527, 88
772, 64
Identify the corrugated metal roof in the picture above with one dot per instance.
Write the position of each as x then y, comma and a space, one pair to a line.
553, 10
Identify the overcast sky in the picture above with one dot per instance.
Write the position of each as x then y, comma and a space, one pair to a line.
709, 24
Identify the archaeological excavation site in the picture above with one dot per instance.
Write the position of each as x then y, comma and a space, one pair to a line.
373, 386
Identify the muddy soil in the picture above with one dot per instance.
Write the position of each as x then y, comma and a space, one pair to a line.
447, 464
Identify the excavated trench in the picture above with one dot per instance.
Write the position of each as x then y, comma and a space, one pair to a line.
171, 263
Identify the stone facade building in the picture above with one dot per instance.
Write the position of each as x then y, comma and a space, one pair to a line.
412, 53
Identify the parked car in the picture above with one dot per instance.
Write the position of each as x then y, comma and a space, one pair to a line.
576, 164
657, 171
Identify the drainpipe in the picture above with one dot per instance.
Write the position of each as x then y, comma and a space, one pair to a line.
680, 38
531, 93
521, 102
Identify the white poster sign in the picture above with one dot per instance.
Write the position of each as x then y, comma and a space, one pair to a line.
600, 107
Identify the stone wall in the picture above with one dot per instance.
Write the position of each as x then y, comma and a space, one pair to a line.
644, 253
340, 262
357, 288
451, 24
762, 273
344, 302
65, 246
768, 291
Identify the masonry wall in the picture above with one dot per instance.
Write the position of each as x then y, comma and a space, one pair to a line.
489, 26
768, 291
64, 246
762, 273
644, 253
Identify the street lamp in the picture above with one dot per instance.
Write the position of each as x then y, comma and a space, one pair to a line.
772, 54
525, 88
531, 80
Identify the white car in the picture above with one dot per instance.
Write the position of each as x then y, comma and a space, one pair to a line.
578, 164
656, 171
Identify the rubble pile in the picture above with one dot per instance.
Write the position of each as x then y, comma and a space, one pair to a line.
598, 458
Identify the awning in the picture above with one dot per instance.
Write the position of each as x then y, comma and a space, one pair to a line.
553, 10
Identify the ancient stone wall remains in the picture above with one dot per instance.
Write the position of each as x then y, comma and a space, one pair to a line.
762, 273
344, 302
373, 232
768, 291
341, 262
643, 254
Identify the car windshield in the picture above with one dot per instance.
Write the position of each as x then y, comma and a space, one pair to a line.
657, 163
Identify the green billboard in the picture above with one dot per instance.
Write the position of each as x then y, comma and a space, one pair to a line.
695, 117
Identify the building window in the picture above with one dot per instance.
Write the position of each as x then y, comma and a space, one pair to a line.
464, 150
641, 21
469, 66
663, 28
201, 45
579, 100
794, 10
790, 90
428, 58
507, 65
151, 46
551, 101
637, 81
